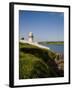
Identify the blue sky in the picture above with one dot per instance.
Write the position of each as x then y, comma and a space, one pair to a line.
46, 26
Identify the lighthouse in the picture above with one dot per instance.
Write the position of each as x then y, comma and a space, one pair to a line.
30, 39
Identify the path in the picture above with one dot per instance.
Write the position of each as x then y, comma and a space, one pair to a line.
34, 43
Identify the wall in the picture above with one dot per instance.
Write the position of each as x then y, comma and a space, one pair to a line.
4, 44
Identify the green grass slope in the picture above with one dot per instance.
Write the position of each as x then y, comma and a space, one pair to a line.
35, 62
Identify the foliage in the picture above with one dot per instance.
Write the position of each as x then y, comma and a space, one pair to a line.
35, 62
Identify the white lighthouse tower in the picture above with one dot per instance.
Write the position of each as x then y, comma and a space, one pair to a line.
30, 37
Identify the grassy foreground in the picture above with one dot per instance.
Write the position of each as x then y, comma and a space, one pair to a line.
35, 62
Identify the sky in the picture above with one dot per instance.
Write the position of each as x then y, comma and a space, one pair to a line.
45, 26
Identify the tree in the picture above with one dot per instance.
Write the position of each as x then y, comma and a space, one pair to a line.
22, 38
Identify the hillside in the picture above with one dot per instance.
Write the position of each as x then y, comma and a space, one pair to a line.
35, 62
53, 42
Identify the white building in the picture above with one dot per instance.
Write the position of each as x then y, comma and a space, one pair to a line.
30, 39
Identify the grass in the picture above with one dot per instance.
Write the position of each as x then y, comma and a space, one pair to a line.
53, 42
30, 67
35, 62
